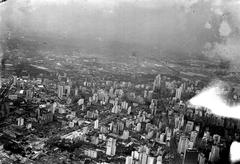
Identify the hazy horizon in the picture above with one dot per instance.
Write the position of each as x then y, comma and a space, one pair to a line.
118, 27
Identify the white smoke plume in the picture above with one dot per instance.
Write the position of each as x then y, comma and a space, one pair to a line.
213, 98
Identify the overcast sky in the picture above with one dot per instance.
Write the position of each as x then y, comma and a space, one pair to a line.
186, 26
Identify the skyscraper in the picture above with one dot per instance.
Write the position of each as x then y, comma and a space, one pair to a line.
183, 144
60, 91
151, 160
125, 134
14, 80
111, 147
189, 126
214, 154
179, 93
216, 138
67, 90
29, 94
0, 80
190, 156
20, 121
96, 124
144, 159
201, 158
76, 91
193, 136
129, 160
157, 82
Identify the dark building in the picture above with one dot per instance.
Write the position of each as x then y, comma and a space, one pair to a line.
190, 156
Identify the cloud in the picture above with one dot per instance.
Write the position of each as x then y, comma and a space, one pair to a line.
227, 50
208, 25
228, 45
142, 3
225, 29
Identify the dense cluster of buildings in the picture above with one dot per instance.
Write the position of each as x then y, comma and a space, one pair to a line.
106, 121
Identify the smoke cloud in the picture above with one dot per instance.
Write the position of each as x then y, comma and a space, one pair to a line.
214, 99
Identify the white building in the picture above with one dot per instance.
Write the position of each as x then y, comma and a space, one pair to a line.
129, 160
96, 124
111, 147
60, 91
183, 144
179, 93
214, 154
20, 121
157, 82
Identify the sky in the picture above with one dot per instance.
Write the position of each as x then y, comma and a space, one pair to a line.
207, 27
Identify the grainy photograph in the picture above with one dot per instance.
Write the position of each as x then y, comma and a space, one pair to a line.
119, 81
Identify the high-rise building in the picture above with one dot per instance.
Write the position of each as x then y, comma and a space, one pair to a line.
138, 127
206, 135
197, 128
159, 162
183, 144
60, 91
189, 126
129, 110
216, 139
76, 91
67, 89
157, 83
125, 134
193, 136
151, 160
190, 156
135, 155
54, 106
162, 137
168, 134
81, 102
96, 124
190, 144
14, 80
179, 93
115, 108
159, 159
145, 94
20, 121
214, 154
144, 158
176, 122
29, 94
129, 160
150, 93
111, 147
124, 105
201, 158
